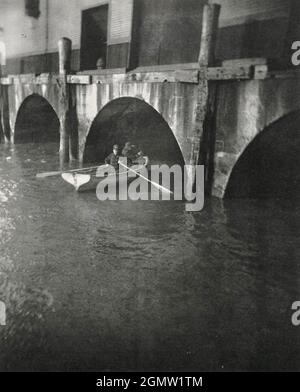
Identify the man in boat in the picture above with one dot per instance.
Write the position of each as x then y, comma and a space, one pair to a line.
113, 158
129, 152
141, 159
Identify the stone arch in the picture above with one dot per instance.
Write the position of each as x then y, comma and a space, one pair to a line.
244, 110
132, 118
174, 102
269, 165
36, 121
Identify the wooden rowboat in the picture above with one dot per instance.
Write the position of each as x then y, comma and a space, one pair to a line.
89, 181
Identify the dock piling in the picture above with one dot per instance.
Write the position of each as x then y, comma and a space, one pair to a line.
64, 50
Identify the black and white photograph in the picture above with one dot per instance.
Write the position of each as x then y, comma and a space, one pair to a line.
149, 189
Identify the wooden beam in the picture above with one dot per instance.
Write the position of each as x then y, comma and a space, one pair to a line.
108, 79
79, 79
161, 77
185, 73
244, 62
24, 79
185, 76
43, 79
226, 73
7, 80
107, 71
166, 67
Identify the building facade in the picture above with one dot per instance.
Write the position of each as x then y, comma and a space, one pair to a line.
130, 33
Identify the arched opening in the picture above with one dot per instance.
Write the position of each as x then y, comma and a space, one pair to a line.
36, 122
270, 165
131, 119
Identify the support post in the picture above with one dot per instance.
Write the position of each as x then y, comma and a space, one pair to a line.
64, 50
3, 111
210, 22
210, 19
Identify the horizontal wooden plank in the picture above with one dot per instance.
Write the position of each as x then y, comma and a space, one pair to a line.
24, 79
45, 78
161, 77
171, 76
149, 77
184, 76
6, 81
227, 73
108, 71
244, 62
166, 67
108, 79
79, 79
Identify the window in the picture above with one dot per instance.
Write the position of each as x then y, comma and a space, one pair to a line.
94, 38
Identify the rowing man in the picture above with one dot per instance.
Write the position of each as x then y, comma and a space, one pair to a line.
129, 152
113, 158
141, 159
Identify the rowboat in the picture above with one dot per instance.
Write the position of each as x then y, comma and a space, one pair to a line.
83, 182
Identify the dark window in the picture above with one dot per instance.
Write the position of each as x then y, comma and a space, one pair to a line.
94, 37
167, 31
32, 8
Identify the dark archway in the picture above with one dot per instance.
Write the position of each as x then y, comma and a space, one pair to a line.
131, 119
37, 122
270, 165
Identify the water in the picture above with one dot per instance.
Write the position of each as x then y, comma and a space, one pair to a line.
145, 285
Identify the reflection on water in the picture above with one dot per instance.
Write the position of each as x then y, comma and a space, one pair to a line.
145, 285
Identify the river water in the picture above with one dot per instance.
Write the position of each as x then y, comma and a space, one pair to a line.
92, 285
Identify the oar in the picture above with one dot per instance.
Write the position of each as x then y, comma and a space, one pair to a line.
162, 188
57, 173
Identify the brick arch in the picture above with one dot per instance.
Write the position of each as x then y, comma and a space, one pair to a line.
141, 123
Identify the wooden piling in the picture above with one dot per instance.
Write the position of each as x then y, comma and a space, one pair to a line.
64, 50
3, 111
210, 22
206, 58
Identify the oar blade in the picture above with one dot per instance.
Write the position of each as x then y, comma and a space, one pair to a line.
58, 173
48, 174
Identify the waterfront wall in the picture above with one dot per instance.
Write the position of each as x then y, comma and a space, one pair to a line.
175, 102
243, 110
